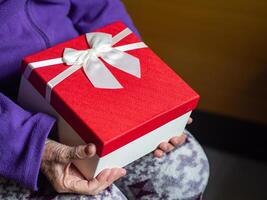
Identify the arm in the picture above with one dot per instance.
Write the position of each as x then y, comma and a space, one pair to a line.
22, 138
24, 150
88, 15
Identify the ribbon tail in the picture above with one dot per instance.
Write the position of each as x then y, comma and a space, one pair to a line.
123, 61
99, 74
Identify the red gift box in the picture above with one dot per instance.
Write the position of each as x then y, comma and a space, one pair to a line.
111, 108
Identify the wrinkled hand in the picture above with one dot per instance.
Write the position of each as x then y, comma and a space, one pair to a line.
65, 178
165, 147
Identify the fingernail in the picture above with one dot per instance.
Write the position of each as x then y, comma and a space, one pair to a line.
89, 149
123, 172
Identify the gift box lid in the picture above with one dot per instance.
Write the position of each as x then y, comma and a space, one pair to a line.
111, 118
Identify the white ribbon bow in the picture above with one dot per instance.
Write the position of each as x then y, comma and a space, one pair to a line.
94, 68
99, 75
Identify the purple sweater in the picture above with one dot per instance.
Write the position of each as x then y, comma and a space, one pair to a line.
28, 26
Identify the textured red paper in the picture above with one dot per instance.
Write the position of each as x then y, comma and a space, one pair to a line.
111, 118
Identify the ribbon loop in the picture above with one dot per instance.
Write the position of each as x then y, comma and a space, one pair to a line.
98, 40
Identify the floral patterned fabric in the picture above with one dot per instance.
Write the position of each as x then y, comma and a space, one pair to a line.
179, 175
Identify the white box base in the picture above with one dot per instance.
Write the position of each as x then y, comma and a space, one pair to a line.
30, 99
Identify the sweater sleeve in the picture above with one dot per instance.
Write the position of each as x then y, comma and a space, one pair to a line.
88, 15
22, 139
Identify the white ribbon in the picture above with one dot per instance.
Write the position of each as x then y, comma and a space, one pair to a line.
99, 75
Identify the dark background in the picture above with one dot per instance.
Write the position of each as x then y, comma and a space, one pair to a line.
220, 49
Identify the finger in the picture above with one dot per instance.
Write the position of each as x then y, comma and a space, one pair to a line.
166, 147
190, 120
175, 140
82, 152
114, 175
163, 146
65, 154
92, 187
71, 182
170, 147
103, 176
179, 140
158, 153
102, 179
55, 151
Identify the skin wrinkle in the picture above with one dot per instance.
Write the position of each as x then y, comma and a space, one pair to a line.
64, 176
57, 166
17, 28
147, 178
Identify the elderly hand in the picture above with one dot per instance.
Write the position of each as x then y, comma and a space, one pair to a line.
165, 147
65, 178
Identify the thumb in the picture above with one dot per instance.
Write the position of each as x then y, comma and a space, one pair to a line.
81, 152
